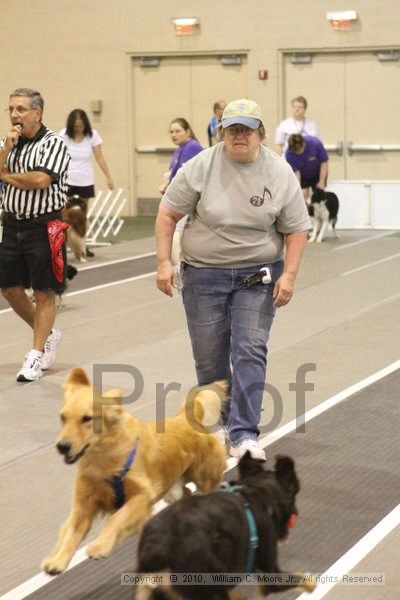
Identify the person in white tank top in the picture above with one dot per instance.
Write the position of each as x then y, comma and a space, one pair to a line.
83, 144
298, 123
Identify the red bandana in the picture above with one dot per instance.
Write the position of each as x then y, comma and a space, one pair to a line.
55, 231
291, 521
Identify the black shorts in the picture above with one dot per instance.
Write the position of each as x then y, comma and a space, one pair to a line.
81, 191
25, 256
309, 183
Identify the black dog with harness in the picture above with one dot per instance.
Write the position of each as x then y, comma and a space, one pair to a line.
213, 536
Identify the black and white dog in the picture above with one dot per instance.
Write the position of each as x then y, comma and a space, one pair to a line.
324, 207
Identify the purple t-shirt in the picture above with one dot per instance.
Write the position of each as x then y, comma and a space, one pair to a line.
309, 162
182, 154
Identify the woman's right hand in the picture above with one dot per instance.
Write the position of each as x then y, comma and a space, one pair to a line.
165, 277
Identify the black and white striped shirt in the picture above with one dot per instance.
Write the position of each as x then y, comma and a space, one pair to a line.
45, 152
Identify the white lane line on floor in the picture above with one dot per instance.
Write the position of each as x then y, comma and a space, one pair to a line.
276, 435
98, 287
364, 241
373, 264
41, 579
348, 561
7, 310
341, 322
114, 262
110, 284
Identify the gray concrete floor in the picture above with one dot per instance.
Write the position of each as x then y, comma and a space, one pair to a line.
347, 324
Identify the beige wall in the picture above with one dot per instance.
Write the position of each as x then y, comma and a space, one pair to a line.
76, 51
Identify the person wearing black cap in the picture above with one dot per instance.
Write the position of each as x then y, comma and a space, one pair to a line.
246, 208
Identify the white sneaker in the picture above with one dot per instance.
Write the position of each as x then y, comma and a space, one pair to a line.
248, 445
49, 354
31, 368
222, 435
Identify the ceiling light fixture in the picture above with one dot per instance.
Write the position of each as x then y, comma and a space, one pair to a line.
186, 25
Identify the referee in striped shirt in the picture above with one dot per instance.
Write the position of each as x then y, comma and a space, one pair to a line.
33, 168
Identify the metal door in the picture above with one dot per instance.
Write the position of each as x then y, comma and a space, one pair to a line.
353, 98
322, 83
372, 122
180, 86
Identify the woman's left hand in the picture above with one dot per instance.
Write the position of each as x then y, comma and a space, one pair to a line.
110, 184
283, 290
165, 277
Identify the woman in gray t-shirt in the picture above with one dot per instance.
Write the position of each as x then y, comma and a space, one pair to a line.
241, 252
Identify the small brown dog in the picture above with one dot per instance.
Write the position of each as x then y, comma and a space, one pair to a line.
74, 214
126, 466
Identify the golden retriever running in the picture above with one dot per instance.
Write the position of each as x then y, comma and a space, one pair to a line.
104, 437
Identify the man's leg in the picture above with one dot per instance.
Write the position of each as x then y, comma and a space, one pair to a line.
20, 303
40, 318
45, 315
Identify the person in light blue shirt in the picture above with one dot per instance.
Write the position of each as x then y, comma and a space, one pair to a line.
212, 132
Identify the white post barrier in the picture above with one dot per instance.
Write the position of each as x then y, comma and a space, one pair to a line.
96, 214
94, 204
120, 221
104, 217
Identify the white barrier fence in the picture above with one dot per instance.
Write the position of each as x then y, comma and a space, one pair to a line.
363, 205
104, 217
367, 204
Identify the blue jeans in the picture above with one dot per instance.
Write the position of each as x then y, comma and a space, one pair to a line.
229, 326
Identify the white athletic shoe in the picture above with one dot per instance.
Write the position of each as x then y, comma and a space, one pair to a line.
49, 354
248, 445
31, 367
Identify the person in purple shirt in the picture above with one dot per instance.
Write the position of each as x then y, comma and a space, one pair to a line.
188, 146
309, 161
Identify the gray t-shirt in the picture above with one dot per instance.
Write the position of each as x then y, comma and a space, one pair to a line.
239, 212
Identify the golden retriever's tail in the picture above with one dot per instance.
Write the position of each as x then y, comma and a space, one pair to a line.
204, 404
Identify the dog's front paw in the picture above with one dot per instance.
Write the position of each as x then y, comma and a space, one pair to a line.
308, 581
98, 549
311, 240
318, 240
54, 565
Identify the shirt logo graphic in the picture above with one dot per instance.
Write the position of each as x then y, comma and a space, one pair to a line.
258, 200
